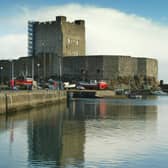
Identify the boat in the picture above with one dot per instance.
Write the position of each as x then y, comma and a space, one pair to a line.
67, 85
93, 84
159, 93
134, 96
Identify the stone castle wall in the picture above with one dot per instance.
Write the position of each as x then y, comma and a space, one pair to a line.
83, 67
152, 68
43, 37
115, 69
127, 66
73, 38
110, 67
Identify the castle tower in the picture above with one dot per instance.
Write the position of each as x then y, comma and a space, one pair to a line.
57, 37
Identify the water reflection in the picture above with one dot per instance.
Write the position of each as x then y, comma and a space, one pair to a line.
87, 133
114, 131
45, 136
89, 109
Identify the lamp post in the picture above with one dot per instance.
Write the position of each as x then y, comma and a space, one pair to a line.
1, 68
12, 70
60, 72
83, 74
32, 67
12, 74
98, 74
44, 59
38, 73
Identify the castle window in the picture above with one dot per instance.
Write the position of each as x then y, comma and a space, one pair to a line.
98, 71
75, 53
68, 40
77, 42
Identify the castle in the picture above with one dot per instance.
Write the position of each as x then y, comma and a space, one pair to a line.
56, 49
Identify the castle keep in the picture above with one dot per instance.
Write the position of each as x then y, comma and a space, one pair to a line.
58, 37
56, 49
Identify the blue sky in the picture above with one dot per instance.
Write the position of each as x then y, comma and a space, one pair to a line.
154, 9
138, 28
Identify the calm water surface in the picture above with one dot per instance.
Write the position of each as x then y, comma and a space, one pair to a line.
89, 133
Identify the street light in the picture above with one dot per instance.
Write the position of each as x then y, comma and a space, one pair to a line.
44, 59
32, 66
1, 68
12, 69
60, 72
12, 74
38, 72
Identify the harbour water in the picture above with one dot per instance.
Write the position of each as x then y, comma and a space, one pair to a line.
88, 133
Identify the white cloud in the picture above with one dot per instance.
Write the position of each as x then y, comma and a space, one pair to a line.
13, 46
108, 31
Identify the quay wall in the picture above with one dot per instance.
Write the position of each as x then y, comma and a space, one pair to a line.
16, 101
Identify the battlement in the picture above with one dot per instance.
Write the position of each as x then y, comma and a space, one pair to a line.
60, 19
79, 22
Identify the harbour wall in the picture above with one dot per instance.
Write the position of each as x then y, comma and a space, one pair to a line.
22, 100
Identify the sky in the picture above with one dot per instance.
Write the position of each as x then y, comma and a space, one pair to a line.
138, 28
